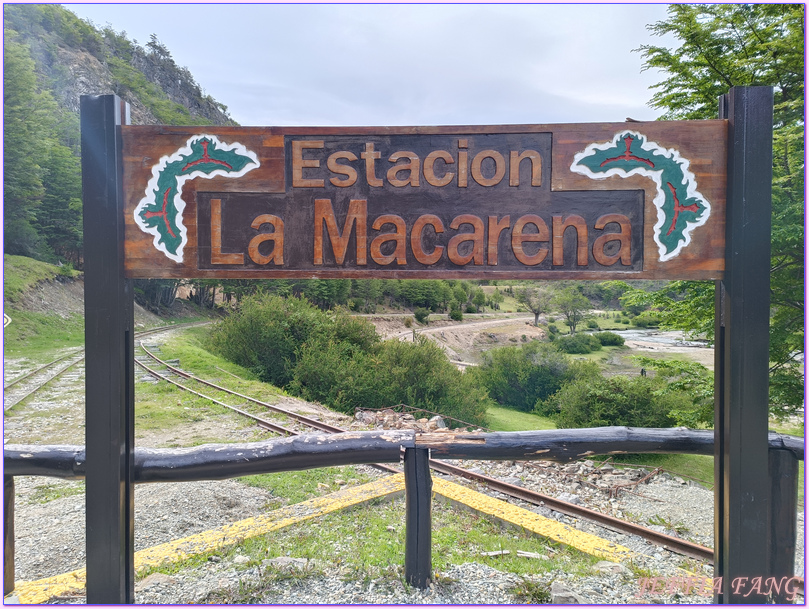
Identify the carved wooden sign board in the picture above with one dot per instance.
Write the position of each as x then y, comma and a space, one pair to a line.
577, 201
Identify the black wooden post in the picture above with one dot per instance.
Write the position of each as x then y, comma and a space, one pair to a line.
418, 517
109, 390
783, 518
742, 491
8, 534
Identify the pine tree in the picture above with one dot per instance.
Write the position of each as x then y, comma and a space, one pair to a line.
27, 136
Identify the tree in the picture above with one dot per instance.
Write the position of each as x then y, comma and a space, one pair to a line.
573, 306
725, 45
27, 138
496, 299
479, 299
536, 299
59, 217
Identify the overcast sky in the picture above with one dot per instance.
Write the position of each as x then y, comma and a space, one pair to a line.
406, 64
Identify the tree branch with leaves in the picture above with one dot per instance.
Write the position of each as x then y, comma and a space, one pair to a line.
725, 45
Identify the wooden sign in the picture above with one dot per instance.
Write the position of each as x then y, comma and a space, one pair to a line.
585, 201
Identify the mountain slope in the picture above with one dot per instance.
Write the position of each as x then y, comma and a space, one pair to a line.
51, 58
73, 58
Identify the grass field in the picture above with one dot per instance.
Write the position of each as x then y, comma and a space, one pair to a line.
20, 273
508, 419
38, 335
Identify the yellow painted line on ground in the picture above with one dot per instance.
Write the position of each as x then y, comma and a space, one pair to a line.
73, 583
529, 521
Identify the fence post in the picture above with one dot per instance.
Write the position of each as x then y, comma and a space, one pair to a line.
109, 363
8, 534
741, 372
418, 517
783, 518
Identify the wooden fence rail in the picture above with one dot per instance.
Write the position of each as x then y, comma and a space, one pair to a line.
222, 461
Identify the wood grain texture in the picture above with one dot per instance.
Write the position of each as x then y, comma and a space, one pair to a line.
443, 171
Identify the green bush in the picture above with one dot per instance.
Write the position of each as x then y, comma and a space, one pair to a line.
456, 314
516, 377
419, 374
609, 339
341, 362
408, 322
422, 315
265, 334
552, 329
338, 374
395, 372
647, 319
597, 401
577, 343
592, 324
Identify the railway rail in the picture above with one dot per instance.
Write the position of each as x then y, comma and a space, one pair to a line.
668, 542
28, 384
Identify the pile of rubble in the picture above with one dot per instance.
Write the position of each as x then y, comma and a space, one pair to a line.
390, 419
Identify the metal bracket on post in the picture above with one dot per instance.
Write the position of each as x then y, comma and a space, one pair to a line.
8, 535
742, 491
109, 364
418, 517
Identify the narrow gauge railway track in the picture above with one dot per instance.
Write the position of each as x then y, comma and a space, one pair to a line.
674, 544
30, 383
260, 421
26, 385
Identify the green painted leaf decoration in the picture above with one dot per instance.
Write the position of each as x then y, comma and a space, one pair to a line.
681, 208
160, 212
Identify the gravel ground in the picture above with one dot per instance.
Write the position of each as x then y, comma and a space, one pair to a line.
169, 511
50, 534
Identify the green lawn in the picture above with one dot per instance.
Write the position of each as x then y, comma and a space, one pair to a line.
20, 273
508, 419
38, 336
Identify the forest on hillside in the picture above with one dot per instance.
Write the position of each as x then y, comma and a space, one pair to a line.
51, 58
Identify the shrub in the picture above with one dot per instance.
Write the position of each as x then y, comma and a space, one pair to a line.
353, 330
647, 319
609, 339
592, 324
577, 343
340, 360
688, 378
599, 401
422, 315
517, 377
552, 329
265, 334
456, 314
408, 322
340, 375
419, 374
